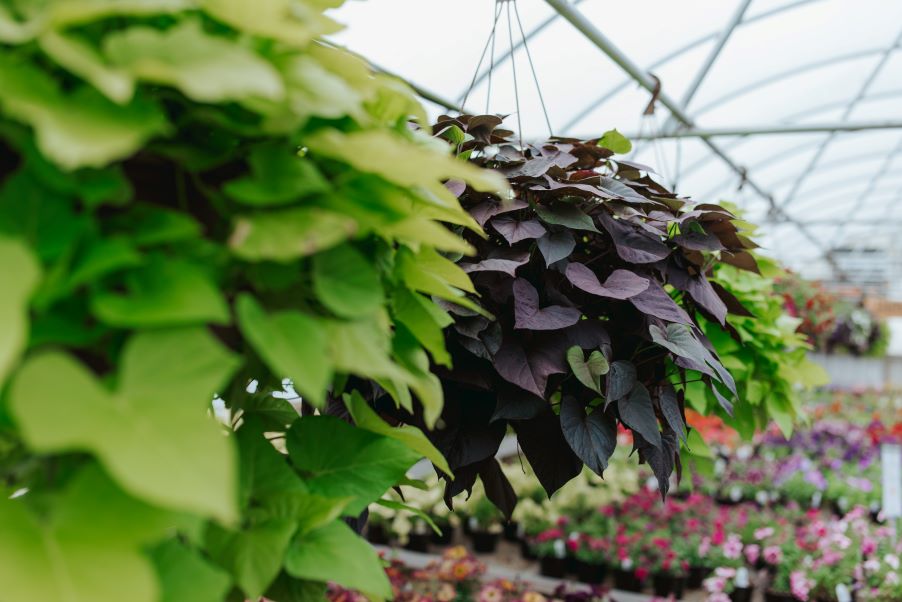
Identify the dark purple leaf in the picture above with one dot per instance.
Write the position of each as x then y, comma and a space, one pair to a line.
655, 301
734, 305
507, 266
529, 370
621, 284
742, 260
637, 412
489, 209
679, 340
660, 459
514, 231
698, 241
529, 316
621, 380
670, 409
497, 488
700, 290
632, 245
635, 165
457, 187
533, 168
569, 216
556, 246
547, 451
515, 404
725, 403
619, 190
592, 436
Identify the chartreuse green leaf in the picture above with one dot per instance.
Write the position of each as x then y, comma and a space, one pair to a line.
87, 548
362, 347
403, 161
151, 432
335, 553
21, 273
339, 460
294, 23
187, 577
616, 142
291, 343
425, 320
164, 292
289, 234
84, 60
207, 68
588, 371
78, 129
346, 282
278, 177
398, 506
366, 418
253, 555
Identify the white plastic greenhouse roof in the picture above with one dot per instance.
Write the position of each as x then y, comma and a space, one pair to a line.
793, 75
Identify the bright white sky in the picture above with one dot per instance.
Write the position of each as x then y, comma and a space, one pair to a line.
858, 177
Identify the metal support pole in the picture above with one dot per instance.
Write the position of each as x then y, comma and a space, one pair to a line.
807, 128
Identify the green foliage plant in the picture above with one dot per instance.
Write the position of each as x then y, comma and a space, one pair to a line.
194, 194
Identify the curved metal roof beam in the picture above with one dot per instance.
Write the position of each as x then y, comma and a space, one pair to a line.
789, 119
798, 70
674, 55
848, 183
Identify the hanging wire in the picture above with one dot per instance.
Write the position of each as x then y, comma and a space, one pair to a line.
510, 34
485, 49
488, 94
532, 68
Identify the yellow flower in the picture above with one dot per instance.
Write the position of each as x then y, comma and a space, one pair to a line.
533, 597
456, 553
446, 593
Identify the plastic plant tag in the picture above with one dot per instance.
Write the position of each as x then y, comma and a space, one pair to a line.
560, 549
891, 467
842, 593
742, 577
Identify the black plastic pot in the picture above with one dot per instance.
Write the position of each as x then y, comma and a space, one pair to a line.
572, 563
445, 538
772, 596
696, 576
376, 534
512, 531
526, 550
549, 566
418, 542
590, 572
626, 581
665, 585
742, 594
484, 542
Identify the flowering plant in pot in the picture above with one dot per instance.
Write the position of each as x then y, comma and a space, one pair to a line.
550, 546
668, 570
630, 566
880, 578
593, 556
484, 522
789, 581
729, 584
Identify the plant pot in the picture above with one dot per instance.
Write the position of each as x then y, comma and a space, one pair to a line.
512, 531
418, 542
590, 572
696, 576
772, 596
376, 534
741, 594
665, 585
445, 538
572, 563
526, 550
626, 581
549, 566
484, 542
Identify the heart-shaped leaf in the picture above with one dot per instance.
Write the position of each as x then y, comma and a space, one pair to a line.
637, 412
592, 436
621, 380
588, 371
514, 230
530, 317
555, 246
621, 284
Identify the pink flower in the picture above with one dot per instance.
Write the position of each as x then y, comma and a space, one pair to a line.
641, 573
732, 549
752, 553
704, 546
719, 597
715, 585
763, 533
799, 585
773, 555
